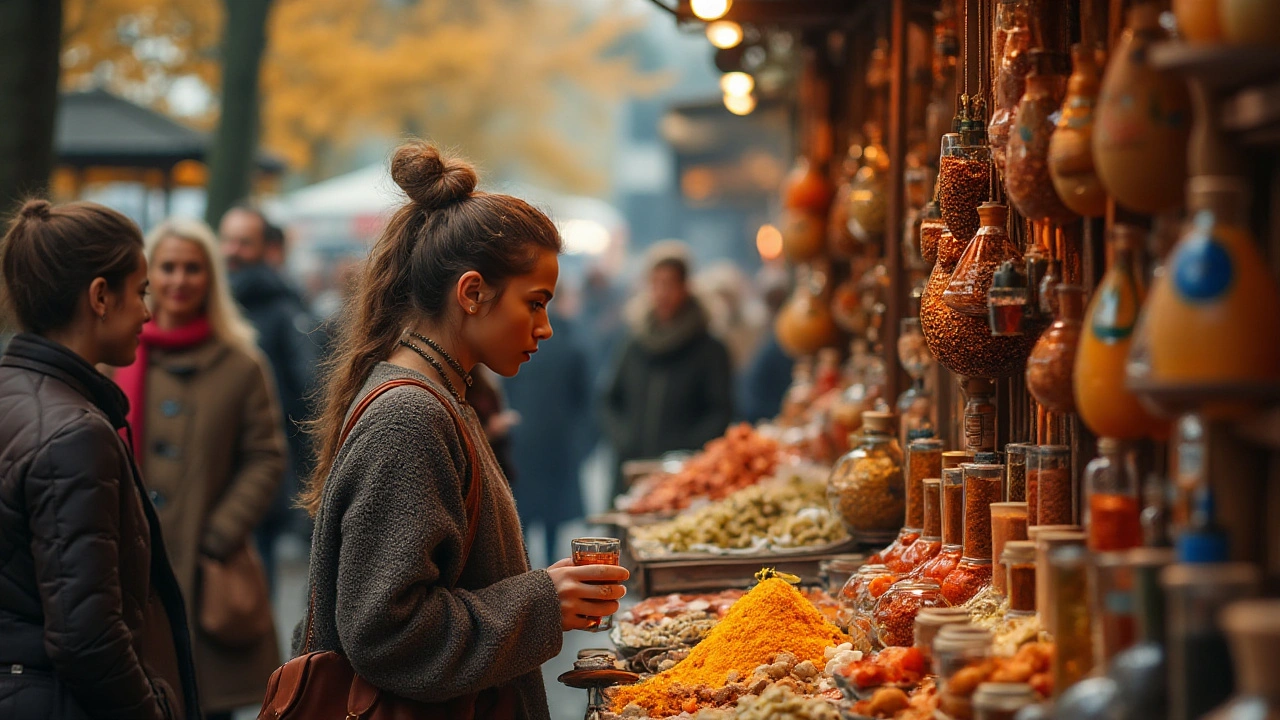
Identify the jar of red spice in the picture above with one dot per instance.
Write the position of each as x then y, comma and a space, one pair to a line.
930, 542
948, 556
1049, 486
895, 615
923, 460
1008, 522
1019, 558
1113, 513
983, 485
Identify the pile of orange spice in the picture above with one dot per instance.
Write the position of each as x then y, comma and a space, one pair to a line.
773, 618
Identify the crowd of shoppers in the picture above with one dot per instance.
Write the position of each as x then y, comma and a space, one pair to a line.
163, 425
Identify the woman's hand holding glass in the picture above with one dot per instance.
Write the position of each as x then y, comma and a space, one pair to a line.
587, 592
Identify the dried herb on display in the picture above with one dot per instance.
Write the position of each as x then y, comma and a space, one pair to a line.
773, 618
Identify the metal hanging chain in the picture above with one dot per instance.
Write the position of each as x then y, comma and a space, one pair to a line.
457, 366
439, 369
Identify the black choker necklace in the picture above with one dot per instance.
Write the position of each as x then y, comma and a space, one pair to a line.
457, 366
448, 383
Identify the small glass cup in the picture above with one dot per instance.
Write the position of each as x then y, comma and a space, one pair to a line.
597, 551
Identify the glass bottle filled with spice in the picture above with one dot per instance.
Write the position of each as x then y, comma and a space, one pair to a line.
983, 485
1111, 482
1068, 619
941, 565
1019, 557
931, 228
924, 460
930, 542
866, 488
1010, 85
895, 613
1049, 486
964, 180
1008, 523
971, 280
1015, 483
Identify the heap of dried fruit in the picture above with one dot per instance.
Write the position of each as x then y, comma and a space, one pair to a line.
1031, 664
891, 666
739, 459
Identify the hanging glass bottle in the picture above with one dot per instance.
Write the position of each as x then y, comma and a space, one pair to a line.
1144, 120
964, 180
1104, 402
1071, 148
1027, 175
1053, 358
804, 324
967, 291
1213, 317
1010, 84
866, 199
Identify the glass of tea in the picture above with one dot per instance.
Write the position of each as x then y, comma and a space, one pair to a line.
597, 551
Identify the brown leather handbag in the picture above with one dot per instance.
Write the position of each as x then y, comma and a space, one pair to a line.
235, 604
323, 685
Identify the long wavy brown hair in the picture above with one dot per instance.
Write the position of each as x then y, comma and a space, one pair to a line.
446, 229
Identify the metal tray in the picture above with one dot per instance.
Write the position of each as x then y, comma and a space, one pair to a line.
693, 573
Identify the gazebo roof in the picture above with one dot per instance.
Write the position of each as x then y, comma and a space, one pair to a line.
99, 129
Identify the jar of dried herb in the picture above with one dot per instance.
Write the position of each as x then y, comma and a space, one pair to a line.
866, 489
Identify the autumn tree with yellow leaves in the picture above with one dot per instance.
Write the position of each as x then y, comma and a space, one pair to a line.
512, 83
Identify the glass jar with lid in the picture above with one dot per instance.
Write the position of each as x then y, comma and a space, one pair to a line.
1015, 484
1008, 523
941, 565
930, 542
983, 485
955, 649
924, 460
1002, 701
1113, 513
1047, 538
1069, 620
895, 612
866, 488
1019, 558
1049, 486
930, 621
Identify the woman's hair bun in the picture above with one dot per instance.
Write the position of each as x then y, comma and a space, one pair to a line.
429, 179
35, 209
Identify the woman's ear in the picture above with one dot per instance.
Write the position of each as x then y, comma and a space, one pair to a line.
471, 290
98, 297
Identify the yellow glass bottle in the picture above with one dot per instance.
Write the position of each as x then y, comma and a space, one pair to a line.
1103, 401
1213, 317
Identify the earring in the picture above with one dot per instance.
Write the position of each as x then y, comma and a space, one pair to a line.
473, 310
103, 316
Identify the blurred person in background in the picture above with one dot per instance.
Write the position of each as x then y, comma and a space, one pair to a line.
768, 375
736, 317
427, 600
552, 394
207, 432
280, 318
92, 621
486, 398
671, 386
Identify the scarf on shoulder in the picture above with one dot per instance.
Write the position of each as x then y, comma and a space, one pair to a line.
133, 378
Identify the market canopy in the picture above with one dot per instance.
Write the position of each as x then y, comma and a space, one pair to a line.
96, 128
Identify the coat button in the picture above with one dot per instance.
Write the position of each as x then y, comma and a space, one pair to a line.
167, 450
170, 408
157, 498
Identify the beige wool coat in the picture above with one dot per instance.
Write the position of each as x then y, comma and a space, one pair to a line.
213, 457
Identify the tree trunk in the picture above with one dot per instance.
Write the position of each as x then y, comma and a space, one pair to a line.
235, 144
30, 45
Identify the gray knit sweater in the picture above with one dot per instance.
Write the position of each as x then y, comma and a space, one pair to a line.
390, 591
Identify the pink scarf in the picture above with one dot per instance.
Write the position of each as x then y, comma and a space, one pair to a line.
133, 379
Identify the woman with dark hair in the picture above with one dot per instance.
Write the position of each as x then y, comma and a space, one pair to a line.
91, 615
429, 597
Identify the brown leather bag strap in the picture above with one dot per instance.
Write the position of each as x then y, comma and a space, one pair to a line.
474, 494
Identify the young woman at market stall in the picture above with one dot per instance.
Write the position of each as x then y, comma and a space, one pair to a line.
91, 614
207, 432
458, 278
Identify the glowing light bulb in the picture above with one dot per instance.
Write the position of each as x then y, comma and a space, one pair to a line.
724, 34
737, 83
740, 104
710, 9
769, 242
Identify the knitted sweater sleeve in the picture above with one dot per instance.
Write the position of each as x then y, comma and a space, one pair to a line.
400, 623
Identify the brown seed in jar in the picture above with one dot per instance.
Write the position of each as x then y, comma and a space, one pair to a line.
963, 184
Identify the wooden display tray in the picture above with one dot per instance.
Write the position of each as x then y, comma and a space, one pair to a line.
694, 573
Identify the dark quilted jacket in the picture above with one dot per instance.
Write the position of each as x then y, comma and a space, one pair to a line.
92, 623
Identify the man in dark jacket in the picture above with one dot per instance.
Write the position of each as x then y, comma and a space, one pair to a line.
279, 315
671, 387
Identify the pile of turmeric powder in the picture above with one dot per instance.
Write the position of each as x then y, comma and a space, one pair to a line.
774, 618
